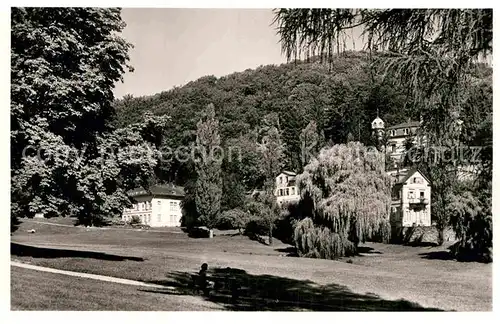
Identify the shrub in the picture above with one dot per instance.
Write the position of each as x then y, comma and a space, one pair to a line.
135, 220
199, 232
254, 227
291, 214
233, 218
320, 242
117, 222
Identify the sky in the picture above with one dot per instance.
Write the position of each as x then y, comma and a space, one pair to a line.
175, 46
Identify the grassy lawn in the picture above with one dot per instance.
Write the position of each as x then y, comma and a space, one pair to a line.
34, 290
378, 280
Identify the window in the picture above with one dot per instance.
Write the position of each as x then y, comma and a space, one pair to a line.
422, 195
172, 219
281, 180
393, 133
406, 131
287, 192
158, 218
293, 190
159, 202
173, 206
149, 218
136, 206
411, 194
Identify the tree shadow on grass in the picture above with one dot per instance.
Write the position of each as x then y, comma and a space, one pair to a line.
457, 253
17, 249
367, 250
290, 251
437, 255
273, 293
421, 244
450, 256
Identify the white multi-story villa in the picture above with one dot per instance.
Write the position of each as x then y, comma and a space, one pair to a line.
411, 191
286, 189
160, 206
411, 197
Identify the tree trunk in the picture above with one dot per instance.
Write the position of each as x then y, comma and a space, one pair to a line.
440, 239
270, 235
210, 233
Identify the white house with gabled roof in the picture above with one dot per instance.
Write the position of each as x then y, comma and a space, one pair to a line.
159, 206
286, 189
411, 200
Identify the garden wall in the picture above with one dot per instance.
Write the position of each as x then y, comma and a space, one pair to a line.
422, 235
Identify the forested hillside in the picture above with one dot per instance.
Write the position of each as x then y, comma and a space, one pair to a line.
342, 98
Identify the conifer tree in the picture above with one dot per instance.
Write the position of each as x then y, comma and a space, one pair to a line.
208, 162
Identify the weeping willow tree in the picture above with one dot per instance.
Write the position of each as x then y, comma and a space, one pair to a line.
433, 53
473, 227
350, 195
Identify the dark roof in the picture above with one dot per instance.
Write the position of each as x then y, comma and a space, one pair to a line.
405, 125
158, 190
412, 172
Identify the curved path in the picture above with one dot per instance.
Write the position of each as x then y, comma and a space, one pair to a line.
88, 275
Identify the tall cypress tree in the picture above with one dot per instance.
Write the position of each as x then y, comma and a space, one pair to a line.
208, 162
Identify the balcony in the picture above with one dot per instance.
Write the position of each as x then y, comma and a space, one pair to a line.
418, 201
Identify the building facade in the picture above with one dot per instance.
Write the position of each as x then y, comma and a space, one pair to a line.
160, 206
397, 136
286, 189
411, 201
411, 189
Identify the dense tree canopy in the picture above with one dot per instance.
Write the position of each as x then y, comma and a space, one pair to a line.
290, 94
66, 158
248, 103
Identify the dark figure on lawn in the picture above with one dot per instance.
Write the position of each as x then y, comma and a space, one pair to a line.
202, 277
